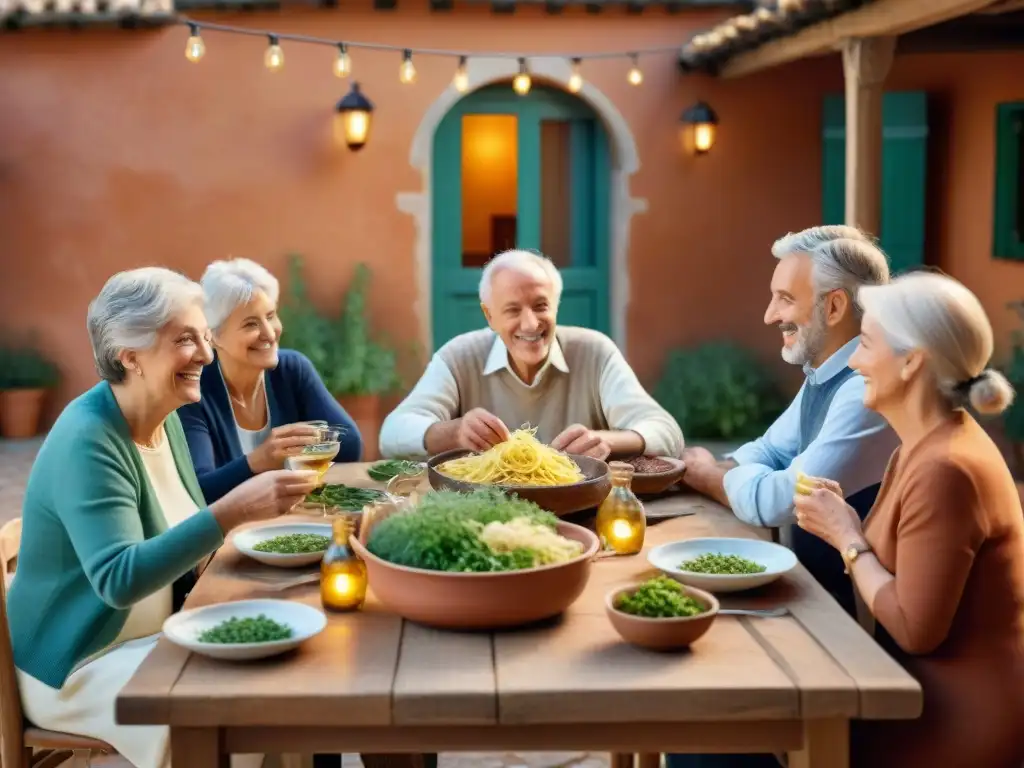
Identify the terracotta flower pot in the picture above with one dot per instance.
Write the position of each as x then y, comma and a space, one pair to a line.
20, 412
365, 412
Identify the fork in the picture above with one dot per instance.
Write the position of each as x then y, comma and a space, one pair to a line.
764, 613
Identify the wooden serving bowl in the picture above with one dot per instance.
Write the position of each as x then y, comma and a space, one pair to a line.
652, 483
662, 634
557, 499
481, 601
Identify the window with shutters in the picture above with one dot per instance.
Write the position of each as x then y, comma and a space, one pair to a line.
1007, 242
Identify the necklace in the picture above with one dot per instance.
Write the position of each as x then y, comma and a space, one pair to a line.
255, 396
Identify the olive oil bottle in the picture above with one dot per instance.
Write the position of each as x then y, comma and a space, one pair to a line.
621, 523
343, 578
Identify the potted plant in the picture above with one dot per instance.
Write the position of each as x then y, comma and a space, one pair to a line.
26, 378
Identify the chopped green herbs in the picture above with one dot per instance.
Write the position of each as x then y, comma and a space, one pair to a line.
345, 497
252, 630
715, 563
383, 471
294, 544
660, 598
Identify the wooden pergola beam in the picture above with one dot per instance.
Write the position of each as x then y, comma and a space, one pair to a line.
882, 18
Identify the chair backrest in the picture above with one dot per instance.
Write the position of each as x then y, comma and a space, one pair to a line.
10, 543
12, 723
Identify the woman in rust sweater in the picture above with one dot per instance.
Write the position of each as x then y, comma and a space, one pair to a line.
940, 560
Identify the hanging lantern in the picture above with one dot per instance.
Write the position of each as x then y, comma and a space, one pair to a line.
699, 125
353, 114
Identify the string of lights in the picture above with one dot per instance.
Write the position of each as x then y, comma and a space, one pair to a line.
273, 57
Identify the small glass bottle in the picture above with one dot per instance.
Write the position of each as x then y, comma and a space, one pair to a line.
342, 574
621, 523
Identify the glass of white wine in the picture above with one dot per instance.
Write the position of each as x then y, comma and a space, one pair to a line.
319, 455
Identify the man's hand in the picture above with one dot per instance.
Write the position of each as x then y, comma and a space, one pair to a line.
581, 441
698, 455
478, 430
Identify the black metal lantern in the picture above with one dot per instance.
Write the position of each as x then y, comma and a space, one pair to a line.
353, 115
701, 121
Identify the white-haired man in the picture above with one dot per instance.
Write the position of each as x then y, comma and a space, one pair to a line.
572, 384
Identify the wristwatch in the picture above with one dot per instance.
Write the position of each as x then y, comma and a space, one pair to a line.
851, 553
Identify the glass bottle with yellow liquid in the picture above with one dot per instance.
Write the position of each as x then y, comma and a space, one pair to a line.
343, 577
621, 523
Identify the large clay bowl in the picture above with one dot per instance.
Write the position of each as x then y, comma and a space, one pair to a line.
662, 634
557, 499
650, 484
481, 601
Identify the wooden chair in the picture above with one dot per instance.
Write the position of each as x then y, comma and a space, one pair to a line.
21, 746
10, 543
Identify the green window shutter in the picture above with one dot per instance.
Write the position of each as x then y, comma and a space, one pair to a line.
1007, 242
904, 171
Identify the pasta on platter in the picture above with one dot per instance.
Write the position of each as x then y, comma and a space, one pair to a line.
520, 460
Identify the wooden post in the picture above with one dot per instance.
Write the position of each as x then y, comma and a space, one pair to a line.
866, 63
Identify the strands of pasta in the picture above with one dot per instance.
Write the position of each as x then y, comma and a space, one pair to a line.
520, 460
521, 533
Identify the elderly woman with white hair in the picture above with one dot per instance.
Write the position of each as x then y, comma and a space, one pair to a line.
256, 396
939, 562
114, 522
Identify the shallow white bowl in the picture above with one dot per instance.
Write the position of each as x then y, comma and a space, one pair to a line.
778, 559
184, 628
244, 542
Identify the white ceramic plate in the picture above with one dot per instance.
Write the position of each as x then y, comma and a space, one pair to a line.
246, 539
778, 559
184, 628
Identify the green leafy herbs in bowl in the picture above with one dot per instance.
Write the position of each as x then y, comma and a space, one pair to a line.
479, 532
717, 564
344, 497
294, 544
259, 629
383, 471
660, 598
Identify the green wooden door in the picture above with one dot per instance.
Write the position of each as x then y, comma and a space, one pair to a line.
520, 171
904, 167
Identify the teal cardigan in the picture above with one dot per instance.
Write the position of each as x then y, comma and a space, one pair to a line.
94, 540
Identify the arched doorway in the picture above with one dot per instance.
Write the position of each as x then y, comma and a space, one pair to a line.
528, 171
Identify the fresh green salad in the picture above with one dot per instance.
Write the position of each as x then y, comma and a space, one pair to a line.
383, 471
344, 496
252, 630
660, 598
294, 544
715, 563
446, 532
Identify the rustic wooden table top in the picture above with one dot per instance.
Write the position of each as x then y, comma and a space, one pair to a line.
371, 669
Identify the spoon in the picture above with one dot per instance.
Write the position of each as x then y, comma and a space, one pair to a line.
765, 613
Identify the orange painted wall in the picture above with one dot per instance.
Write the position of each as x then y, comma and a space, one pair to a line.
115, 152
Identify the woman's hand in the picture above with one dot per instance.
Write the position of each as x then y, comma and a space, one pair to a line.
282, 442
826, 514
265, 496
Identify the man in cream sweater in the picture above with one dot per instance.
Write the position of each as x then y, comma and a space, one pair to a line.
572, 384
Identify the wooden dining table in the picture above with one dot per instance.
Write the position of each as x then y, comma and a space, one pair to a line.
374, 683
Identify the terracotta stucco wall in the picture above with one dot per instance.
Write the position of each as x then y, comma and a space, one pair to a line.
115, 152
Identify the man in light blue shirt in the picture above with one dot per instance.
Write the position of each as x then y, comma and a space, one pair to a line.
826, 431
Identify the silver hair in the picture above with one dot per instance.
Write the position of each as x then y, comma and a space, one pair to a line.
525, 263
937, 314
844, 258
130, 311
229, 284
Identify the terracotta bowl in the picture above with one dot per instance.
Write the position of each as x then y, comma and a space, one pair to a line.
661, 634
557, 499
658, 482
481, 601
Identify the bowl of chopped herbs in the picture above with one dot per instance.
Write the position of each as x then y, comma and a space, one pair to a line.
661, 614
288, 545
482, 560
723, 564
383, 471
245, 629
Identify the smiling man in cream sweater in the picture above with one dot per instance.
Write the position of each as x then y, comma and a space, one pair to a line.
572, 384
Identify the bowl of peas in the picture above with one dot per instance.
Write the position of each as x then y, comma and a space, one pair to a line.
720, 565
660, 614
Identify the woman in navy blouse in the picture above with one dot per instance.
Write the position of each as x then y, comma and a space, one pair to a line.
255, 396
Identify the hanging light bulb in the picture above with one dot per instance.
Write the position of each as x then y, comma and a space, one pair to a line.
521, 83
461, 79
195, 47
352, 119
575, 79
342, 64
635, 76
273, 59
407, 72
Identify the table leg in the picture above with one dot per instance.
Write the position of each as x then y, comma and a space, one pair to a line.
197, 748
648, 760
826, 745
